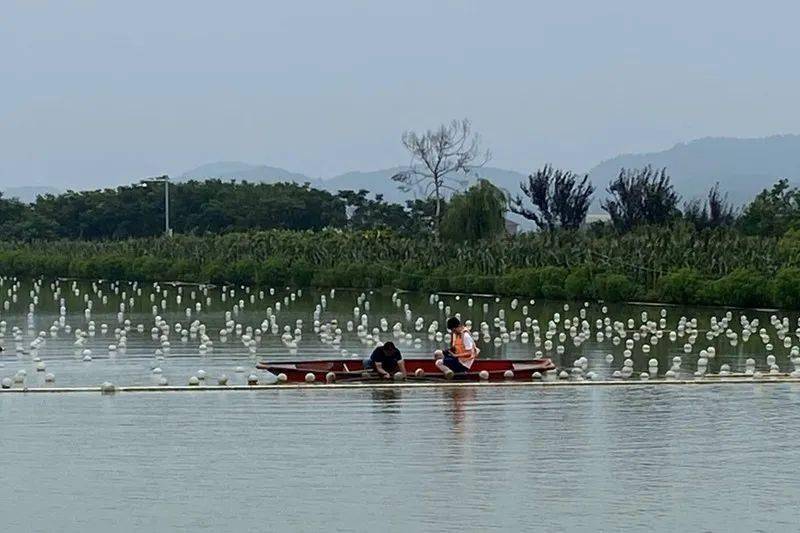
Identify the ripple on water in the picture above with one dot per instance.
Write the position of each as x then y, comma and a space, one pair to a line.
648, 459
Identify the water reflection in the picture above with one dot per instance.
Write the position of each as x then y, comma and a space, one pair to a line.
387, 398
573, 459
459, 400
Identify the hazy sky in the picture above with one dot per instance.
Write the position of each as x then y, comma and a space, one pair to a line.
106, 92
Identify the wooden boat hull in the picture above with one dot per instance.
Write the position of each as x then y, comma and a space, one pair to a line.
349, 370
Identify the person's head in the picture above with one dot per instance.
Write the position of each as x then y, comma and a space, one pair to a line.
454, 325
389, 348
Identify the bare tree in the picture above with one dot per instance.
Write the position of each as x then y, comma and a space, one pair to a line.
560, 199
436, 157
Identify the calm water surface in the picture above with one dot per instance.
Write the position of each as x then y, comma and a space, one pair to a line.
716, 458
652, 458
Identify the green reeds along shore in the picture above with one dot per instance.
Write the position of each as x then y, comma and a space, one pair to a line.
676, 264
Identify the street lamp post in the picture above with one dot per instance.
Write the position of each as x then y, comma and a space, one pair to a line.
165, 180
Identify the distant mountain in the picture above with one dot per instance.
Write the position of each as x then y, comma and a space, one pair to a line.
376, 181
743, 167
380, 182
28, 194
243, 171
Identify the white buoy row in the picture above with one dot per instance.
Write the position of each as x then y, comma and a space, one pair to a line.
557, 336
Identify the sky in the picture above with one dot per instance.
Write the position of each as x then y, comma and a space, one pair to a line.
106, 92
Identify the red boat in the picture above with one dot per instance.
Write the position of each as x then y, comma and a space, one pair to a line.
350, 370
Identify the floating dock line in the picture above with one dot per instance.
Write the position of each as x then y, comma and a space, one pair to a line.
711, 380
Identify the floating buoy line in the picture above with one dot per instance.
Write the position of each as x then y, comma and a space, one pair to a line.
109, 388
194, 320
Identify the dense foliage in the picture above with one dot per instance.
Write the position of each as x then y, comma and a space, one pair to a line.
558, 199
285, 234
676, 264
773, 211
478, 213
212, 206
641, 196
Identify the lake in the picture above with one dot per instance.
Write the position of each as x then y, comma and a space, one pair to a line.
715, 458
184, 356
647, 458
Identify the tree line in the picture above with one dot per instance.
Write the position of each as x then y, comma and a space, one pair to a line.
553, 199
203, 207
443, 162
557, 199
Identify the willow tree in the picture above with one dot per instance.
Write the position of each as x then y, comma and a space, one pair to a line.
437, 158
558, 199
477, 213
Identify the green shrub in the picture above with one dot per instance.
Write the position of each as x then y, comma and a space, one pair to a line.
786, 288
272, 273
241, 272
522, 282
681, 286
614, 287
407, 279
326, 277
789, 246
357, 276
435, 284
741, 288
109, 267
578, 284
480, 284
301, 273
214, 272
149, 268
551, 282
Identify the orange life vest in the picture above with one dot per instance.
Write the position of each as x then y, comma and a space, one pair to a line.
457, 349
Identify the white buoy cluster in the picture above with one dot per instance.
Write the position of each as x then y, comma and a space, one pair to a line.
174, 321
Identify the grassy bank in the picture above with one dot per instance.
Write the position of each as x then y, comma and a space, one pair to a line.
675, 264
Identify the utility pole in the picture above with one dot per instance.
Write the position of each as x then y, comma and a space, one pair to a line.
165, 180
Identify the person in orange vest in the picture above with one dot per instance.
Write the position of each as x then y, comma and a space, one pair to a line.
462, 352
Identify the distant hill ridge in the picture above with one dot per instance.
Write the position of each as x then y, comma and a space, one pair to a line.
743, 168
375, 181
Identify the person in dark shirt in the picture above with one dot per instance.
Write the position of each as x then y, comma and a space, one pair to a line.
386, 360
